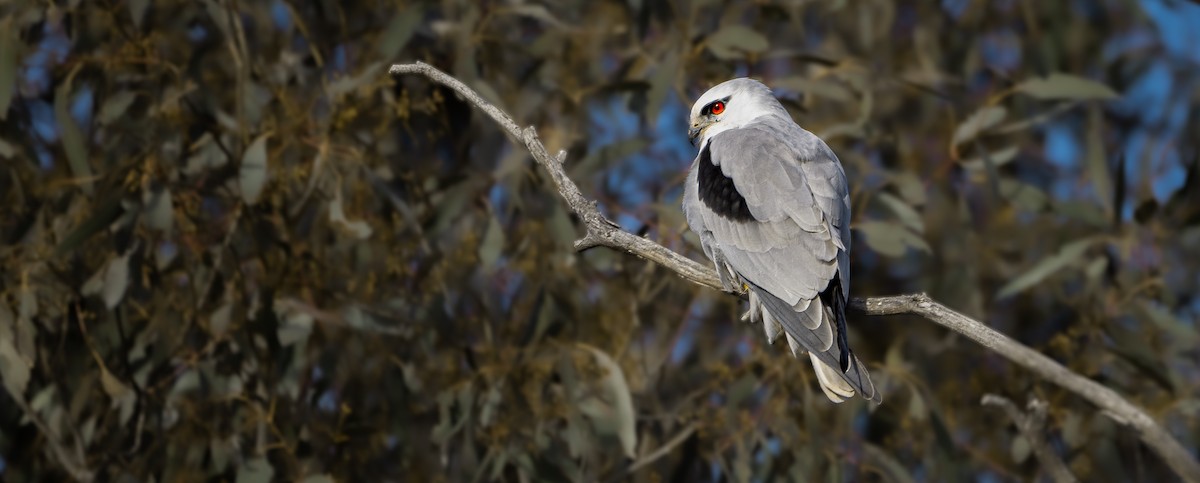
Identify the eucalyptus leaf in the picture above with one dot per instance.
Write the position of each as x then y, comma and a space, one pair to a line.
662, 84
883, 459
356, 229
827, 88
492, 245
111, 281
73, 140
911, 188
115, 106
1065, 86
610, 404
1046, 267
998, 158
1183, 333
252, 172
733, 41
116, 280
1098, 168
1020, 449
255, 470
979, 122
8, 64
160, 210
137, 11
13, 369
890, 239
400, 30
905, 213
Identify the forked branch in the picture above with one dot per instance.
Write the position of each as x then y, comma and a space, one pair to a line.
603, 232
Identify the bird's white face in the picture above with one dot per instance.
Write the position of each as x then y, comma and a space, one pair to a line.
730, 105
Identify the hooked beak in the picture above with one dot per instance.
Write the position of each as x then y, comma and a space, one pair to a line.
696, 129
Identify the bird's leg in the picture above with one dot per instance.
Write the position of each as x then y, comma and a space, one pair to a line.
729, 281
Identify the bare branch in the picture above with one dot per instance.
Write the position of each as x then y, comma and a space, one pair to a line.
603, 232
1030, 424
662, 450
72, 458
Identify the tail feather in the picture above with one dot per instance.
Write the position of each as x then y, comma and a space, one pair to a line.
826, 357
831, 381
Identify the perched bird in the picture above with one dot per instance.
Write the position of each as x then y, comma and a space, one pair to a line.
770, 204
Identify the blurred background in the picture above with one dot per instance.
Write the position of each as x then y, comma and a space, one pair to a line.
234, 248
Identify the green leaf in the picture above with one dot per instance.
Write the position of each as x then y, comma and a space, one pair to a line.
15, 370
159, 212
1134, 347
890, 239
903, 211
116, 280
400, 31
348, 83
824, 87
252, 174
740, 390
23, 333
1097, 159
112, 386
1024, 195
609, 404
733, 41
218, 322
110, 281
892, 468
97, 221
1085, 211
662, 84
137, 11
8, 65
1046, 267
489, 402
978, 122
883, 238
115, 106
72, 138
356, 229
998, 158
256, 470
917, 410
607, 155
1065, 86
492, 244
1020, 449
296, 325
1180, 333
911, 188
1073, 432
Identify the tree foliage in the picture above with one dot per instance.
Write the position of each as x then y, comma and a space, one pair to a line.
234, 248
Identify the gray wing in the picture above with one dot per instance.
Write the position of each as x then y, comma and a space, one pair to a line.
796, 192
790, 238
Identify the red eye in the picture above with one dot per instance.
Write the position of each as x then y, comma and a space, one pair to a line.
718, 107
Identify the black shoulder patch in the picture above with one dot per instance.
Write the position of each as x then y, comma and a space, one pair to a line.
717, 191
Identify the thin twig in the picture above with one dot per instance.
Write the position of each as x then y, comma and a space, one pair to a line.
1030, 424
662, 450
602, 232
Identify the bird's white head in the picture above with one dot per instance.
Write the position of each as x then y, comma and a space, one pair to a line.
730, 105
